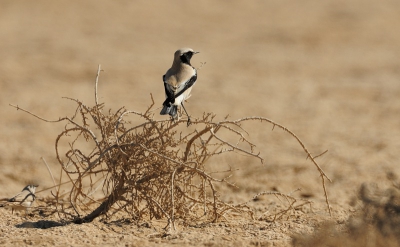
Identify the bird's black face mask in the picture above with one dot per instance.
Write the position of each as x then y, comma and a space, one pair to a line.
185, 58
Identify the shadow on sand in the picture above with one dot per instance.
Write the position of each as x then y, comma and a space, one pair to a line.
42, 224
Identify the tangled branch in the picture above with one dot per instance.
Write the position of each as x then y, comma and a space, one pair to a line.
154, 169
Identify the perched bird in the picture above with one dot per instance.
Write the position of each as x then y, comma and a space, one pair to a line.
23, 200
178, 82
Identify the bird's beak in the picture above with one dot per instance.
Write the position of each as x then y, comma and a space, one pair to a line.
195, 52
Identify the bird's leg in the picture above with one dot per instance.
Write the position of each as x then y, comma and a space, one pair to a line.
188, 122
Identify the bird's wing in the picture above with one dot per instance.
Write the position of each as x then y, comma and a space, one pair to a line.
168, 92
23, 196
187, 85
28, 200
181, 89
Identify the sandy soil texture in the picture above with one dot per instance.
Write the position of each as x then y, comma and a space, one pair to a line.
327, 70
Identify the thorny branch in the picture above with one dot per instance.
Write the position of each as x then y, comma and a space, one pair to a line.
155, 169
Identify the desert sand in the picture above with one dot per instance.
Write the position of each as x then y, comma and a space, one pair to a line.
327, 70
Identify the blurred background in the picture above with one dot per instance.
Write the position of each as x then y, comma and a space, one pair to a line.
327, 70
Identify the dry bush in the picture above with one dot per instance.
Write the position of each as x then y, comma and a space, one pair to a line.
149, 168
376, 224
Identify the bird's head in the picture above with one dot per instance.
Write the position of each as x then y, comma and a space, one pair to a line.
184, 55
31, 188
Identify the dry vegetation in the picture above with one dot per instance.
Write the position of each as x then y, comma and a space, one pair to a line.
376, 224
327, 70
146, 169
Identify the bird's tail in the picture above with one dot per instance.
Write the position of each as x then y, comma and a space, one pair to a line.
172, 110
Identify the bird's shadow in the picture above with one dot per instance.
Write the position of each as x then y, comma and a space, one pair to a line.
41, 224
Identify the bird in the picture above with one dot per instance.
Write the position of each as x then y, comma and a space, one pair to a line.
178, 83
23, 200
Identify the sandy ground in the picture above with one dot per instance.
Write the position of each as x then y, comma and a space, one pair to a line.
327, 70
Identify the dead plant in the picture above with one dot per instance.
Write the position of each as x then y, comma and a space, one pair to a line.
152, 169
376, 223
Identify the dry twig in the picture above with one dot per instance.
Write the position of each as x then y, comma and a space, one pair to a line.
153, 169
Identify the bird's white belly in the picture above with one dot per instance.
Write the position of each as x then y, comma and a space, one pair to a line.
182, 97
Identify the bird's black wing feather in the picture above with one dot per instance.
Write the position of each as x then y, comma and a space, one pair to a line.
188, 84
170, 96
